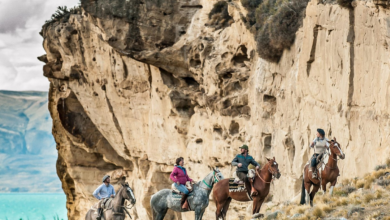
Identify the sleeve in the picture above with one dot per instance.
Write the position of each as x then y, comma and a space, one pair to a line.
235, 161
113, 190
173, 175
188, 178
254, 163
327, 143
313, 142
96, 192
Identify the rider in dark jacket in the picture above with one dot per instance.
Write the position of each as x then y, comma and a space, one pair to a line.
242, 162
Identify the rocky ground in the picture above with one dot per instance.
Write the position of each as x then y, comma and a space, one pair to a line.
357, 198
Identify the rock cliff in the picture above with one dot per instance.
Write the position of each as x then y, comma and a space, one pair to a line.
135, 84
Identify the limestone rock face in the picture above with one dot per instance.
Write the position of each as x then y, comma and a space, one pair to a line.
136, 84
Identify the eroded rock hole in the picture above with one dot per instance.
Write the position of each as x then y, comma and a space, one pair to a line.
191, 81
168, 79
267, 145
290, 147
199, 141
269, 98
241, 55
234, 128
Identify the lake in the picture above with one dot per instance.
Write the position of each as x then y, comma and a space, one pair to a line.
33, 206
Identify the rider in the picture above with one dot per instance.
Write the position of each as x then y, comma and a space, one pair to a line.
180, 176
242, 162
103, 193
320, 145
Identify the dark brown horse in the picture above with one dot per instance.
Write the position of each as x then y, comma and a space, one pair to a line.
328, 175
263, 178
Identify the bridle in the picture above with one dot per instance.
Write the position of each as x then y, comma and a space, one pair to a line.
215, 180
270, 171
330, 154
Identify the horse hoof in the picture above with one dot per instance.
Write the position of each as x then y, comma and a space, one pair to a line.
257, 216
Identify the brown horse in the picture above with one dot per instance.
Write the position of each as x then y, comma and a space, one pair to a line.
223, 197
328, 175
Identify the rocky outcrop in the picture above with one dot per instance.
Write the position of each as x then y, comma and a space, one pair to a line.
135, 84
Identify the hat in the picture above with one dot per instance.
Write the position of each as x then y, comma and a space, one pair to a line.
244, 147
322, 132
105, 177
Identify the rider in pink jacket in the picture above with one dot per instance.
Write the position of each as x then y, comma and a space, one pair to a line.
180, 177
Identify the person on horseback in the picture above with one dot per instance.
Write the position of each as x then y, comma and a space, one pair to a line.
180, 177
320, 145
242, 162
103, 193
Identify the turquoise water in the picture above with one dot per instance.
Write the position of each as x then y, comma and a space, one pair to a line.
32, 206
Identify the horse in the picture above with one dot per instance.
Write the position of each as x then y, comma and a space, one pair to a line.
198, 199
223, 196
116, 210
328, 175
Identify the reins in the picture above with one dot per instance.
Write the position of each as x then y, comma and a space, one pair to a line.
216, 180
262, 178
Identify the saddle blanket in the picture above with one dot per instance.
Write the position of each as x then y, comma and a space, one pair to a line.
176, 196
233, 187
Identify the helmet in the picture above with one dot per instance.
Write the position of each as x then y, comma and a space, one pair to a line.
105, 177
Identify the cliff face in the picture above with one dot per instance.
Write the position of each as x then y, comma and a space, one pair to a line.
135, 84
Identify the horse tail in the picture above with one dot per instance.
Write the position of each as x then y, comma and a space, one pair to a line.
303, 193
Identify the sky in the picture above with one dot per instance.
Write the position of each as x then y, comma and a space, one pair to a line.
21, 44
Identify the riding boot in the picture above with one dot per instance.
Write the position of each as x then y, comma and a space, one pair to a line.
99, 216
183, 202
253, 190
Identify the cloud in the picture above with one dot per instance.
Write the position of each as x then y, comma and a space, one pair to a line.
15, 14
21, 44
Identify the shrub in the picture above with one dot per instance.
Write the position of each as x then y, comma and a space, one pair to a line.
274, 23
384, 182
380, 167
345, 3
62, 14
317, 212
219, 15
368, 198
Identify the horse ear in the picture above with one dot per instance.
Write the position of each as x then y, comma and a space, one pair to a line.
267, 158
334, 139
274, 158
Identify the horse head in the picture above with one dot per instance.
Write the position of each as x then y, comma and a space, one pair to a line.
129, 193
217, 175
335, 148
273, 168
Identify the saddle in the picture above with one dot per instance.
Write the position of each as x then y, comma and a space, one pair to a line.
175, 190
107, 205
321, 161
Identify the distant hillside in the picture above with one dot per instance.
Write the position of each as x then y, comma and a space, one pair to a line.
27, 147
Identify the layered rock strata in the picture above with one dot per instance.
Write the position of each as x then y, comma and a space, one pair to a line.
136, 84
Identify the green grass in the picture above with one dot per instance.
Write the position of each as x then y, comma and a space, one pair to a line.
219, 15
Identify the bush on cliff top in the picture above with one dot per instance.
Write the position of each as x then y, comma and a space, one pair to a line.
345, 3
219, 15
62, 14
274, 23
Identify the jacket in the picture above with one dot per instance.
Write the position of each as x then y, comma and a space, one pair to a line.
245, 161
178, 175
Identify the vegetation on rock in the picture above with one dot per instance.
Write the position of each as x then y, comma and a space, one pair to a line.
219, 15
62, 14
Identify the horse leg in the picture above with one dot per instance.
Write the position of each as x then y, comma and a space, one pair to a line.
160, 215
323, 186
257, 202
331, 187
313, 193
218, 212
199, 213
226, 207
307, 191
